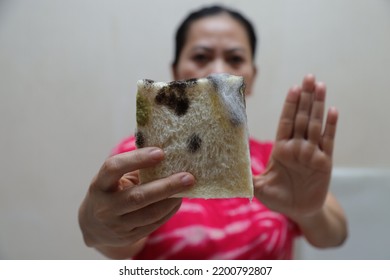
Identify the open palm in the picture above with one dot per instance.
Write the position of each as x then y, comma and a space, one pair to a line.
297, 177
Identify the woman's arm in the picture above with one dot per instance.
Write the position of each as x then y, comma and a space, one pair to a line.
327, 227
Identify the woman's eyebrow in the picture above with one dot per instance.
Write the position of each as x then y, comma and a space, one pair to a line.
236, 49
210, 49
202, 48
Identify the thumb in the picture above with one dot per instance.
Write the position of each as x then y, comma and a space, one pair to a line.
267, 194
259, 186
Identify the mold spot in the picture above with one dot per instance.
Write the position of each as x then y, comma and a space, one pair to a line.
139, 139
235, 119
182, 106
242, 93
194, 143
143, 110
174, 97
230, 90
148, 81
191, 82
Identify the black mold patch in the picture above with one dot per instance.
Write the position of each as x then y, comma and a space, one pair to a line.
139, 139
174, 97
148, 82
191, 82
194, 143
182, 106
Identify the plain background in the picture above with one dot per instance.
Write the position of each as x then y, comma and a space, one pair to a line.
68, 72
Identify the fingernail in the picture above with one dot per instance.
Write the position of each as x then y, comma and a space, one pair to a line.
156, 154
187, 180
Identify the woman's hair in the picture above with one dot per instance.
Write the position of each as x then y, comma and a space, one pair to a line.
182, 31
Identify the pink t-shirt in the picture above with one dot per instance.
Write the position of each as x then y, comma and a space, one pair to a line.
222, 228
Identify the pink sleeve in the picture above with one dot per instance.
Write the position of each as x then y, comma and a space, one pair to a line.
126, 145
260, 153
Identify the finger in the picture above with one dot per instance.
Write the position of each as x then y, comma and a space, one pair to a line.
286, 122
329, 134
143, 195
304, 107
150, 214
116, 166
309, 83
317, 114
129, 180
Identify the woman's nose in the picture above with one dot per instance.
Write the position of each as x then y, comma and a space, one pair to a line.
220, 66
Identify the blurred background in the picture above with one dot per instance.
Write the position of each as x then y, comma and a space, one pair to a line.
68, 72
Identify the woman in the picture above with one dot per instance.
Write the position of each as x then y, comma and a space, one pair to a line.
124, 219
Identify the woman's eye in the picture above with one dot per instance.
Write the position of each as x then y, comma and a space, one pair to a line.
200, 58
236, 60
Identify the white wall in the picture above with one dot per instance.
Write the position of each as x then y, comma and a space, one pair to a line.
68, 71
365, 193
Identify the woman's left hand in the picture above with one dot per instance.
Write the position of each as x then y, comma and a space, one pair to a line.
298, 174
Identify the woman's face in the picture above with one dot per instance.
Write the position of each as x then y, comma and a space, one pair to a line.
216, 44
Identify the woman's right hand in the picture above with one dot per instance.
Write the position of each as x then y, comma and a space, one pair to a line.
118, 211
